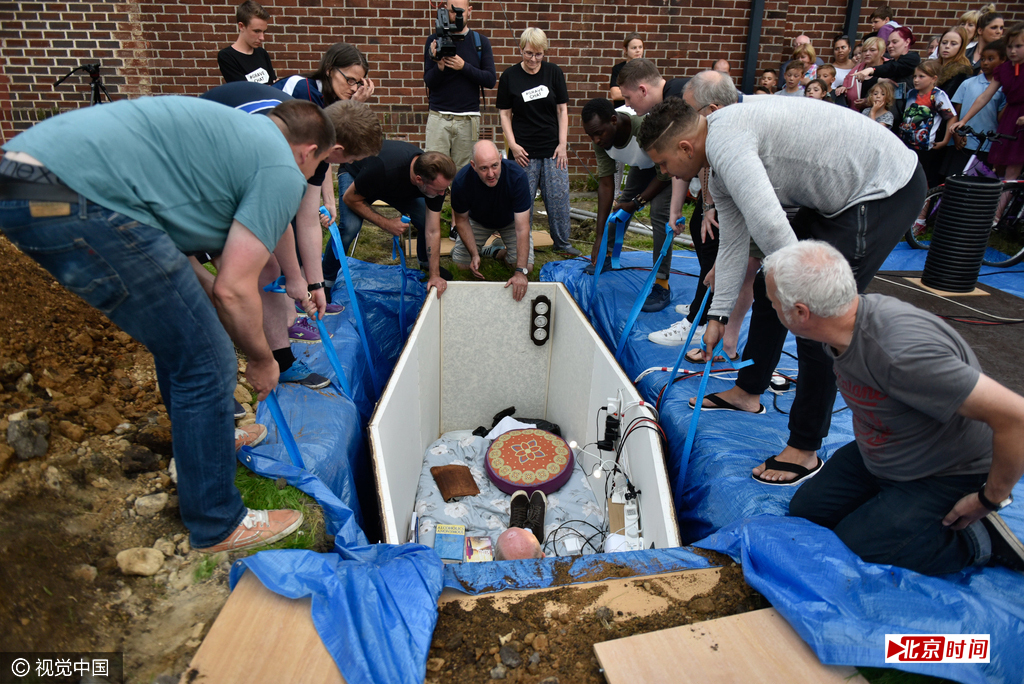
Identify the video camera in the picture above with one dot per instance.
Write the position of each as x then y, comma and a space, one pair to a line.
448, 32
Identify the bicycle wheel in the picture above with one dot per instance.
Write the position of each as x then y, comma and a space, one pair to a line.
1006, 241
918, 237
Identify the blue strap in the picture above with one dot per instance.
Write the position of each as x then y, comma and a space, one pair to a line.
646, 289
282, 428
620, 235
701, 389
396, 246
341, 382
684, 348
353, 301
620, 216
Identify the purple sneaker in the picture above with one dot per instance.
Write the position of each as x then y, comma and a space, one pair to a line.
332, 309
303, 331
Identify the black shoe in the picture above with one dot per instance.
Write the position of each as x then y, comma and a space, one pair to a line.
1007, 550
535, 519
589, 270
569, 249
519, 509
239, 410
657, 300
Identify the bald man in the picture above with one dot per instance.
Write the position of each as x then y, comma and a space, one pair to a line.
491, 195
525, 534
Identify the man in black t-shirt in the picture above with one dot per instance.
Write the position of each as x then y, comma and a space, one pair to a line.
412, 181
245, 59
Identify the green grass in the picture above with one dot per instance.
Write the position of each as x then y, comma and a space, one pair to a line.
204, 569
261, 493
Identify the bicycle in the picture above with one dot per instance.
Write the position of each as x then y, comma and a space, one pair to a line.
1006, 239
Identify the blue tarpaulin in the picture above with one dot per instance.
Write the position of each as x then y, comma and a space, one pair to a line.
839, 604
375, 606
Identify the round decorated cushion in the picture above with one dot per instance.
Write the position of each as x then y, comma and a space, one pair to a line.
529, 460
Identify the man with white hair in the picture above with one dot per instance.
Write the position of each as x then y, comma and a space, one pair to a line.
938, 444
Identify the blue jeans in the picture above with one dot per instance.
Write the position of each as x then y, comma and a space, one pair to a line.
554, 190
896, 523
138, 278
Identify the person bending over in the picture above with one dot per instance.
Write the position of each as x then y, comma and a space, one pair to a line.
492, 195
938, 444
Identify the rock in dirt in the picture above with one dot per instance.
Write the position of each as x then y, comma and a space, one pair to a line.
11, 370
540, 642
151, 505
435, 664
76, 433
701, 605
242, 395
25, 383
509, 657
84, 573
165, 546
499, 671
140, 561
454, 642
139, 459
549, 680
28, 437
155, 438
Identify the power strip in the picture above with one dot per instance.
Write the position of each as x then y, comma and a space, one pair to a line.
631, 518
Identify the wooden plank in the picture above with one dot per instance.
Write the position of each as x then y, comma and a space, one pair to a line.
262, 638
753, 647
976, 292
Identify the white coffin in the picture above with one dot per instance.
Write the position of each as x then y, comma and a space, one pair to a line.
469, 356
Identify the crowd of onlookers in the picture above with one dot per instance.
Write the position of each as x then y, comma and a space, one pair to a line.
924, 94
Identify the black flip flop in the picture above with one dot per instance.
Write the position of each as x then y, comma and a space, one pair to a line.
722, 405
801, 472
701, 362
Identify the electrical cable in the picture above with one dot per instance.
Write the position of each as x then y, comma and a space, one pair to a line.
951, 301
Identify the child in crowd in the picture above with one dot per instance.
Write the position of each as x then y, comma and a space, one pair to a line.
817, 89
882, 22
794, 72
1010, 77
827, 73
804, 54
927, 106
770, 79
957, 157
880, 99
858, 52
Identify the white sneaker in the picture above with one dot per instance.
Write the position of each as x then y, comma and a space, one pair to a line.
682, 309
675, 334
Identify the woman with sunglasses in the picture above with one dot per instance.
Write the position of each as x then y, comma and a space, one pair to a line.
533, 104
342, 75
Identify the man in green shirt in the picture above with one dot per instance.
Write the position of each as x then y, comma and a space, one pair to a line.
109, 199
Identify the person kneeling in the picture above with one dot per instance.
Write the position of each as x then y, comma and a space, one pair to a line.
939, 445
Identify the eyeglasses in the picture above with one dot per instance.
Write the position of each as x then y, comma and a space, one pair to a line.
532, 55
356, 82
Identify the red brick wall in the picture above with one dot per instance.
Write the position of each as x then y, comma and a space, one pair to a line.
159, 49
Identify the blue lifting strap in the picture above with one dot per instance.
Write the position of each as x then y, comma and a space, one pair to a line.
396, 246
353, 301
341, 382
699, 401
286, 434
620, 216
646, 289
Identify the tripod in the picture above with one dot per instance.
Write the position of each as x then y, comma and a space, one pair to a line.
96, 83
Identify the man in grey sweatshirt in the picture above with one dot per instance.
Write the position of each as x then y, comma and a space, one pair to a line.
858, 189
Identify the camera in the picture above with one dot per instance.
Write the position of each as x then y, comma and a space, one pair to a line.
448, 32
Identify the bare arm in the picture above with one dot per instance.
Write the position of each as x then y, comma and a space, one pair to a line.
311, 243
433, 231
561, 155
978, 105
1003, 411
327, 190
358, 204
519, 281
518, 153
237, 299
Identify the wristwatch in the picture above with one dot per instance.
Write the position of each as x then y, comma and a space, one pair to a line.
724, 320
992, 505
316, 286
639, 202
524, 271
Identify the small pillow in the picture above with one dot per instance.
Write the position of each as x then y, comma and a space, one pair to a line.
454, 481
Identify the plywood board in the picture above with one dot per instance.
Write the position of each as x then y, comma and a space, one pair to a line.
976, 292
262, 638
753, 647
541, 238
623, 594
